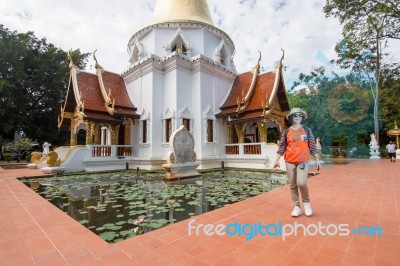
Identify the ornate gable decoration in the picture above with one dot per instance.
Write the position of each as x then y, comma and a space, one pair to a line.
256, 97
79, 112
109, 101
222, 55
180, 42
168, 113
184, 112
136, 51
244, 102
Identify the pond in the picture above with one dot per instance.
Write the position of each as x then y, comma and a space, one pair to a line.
121, 205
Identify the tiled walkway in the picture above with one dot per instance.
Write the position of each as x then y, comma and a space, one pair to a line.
33, 232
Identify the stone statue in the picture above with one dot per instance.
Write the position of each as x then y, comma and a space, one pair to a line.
46, 148
179, 48
35, 157
52, 159
181, 160
374, 148
374, 142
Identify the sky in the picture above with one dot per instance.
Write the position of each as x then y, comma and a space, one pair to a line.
299, 27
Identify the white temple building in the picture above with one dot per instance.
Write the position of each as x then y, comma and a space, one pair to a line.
180, 72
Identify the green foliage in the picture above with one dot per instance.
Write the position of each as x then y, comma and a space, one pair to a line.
367, 27
389, 97
7, 157
34, 76
362, 18
335, 130
20, 146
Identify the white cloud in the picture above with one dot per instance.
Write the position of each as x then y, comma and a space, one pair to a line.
299, 27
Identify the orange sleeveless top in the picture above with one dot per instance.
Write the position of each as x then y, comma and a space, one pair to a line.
297, 150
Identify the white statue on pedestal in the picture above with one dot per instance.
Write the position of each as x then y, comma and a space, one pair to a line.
374, 148
46, 148
373, 142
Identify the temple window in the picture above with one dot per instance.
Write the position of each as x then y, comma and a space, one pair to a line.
168, 129
186, 123
144, 131
210, 130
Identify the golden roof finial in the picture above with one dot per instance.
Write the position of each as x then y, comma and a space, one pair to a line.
283, 55
95, 59
259, 58
71, 63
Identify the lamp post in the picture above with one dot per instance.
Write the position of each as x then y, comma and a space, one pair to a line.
395, 132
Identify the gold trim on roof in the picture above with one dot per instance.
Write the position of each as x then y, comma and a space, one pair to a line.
71, 63
242, 105
109, 101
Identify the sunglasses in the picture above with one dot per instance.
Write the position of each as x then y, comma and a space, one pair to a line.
298, 115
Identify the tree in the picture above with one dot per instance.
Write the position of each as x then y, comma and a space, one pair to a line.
339, 108
34, 76
366, 24
20, 146
389, 102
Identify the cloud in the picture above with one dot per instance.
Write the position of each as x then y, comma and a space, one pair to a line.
299, 27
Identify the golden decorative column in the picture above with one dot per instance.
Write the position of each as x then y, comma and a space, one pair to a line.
114, 134
73, 138
128, 123
89, 132
262, 131
96, 134
240, 130
229, 134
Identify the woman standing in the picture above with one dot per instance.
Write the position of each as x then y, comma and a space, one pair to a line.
296, 144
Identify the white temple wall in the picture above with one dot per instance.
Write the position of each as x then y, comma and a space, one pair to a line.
157, 109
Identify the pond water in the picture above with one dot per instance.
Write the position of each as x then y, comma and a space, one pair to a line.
120, 205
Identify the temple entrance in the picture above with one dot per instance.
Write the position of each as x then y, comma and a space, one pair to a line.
81, 137
121, 135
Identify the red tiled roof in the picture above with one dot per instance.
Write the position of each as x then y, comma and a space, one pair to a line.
123, 104
91, 94
94, 103
118, 90
89, 89
261, 95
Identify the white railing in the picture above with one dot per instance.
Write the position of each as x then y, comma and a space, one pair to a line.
243, 149
111, 150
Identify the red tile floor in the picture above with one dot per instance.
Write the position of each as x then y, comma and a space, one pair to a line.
367, 192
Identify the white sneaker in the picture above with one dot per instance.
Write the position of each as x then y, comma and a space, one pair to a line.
307, 208
296, 211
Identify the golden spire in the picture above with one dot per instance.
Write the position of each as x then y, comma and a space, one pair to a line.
71, 63
95, 59
182, 11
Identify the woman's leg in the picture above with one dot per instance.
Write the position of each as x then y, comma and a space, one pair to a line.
291, 173
301, 179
